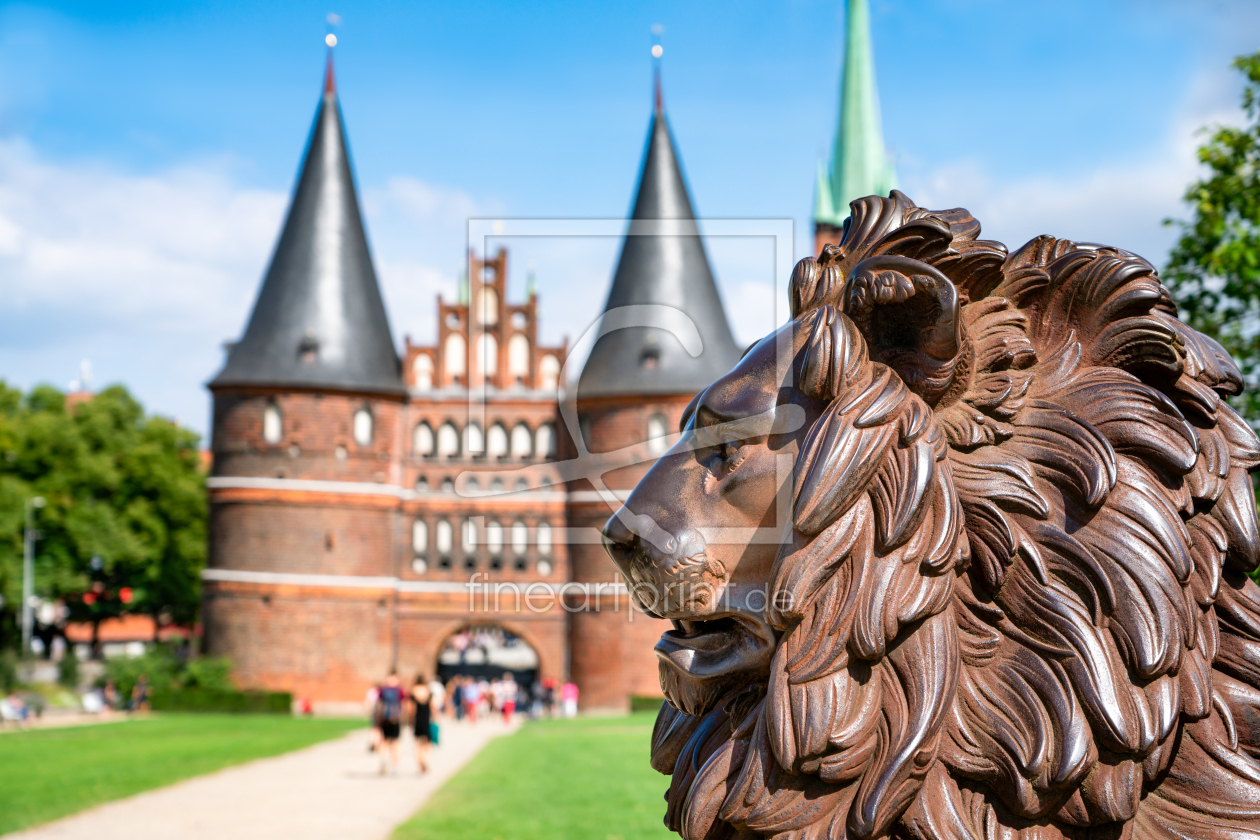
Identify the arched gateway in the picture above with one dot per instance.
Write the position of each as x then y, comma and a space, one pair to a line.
487, 651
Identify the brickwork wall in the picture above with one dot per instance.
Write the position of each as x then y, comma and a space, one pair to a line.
317, 440
303, 537
612, 655
318, 644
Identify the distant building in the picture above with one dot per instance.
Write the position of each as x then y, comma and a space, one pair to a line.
860, 165
355, 494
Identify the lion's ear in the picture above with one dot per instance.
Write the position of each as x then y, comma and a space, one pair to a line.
908, 313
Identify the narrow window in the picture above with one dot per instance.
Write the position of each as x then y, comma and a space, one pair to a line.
469, 541
422, 369
657, 434
363, 427
497, 441
422, 440
447, 441
518, 356
548, 372
520, 537
522, 442
474, 443
454, 356
494, 537
273, 423
545, 441
544, 538
419, 536
444, 536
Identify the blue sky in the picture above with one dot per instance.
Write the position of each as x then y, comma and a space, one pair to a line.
147, 149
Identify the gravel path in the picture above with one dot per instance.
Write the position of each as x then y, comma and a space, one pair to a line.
331, 790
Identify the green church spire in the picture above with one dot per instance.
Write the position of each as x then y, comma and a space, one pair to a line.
859, 164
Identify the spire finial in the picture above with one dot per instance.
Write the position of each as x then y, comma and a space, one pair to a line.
330, 81
657, 52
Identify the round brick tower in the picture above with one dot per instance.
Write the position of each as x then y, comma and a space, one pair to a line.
306, 431
631, 394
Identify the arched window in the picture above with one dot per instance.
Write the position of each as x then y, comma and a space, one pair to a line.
422, 442
496, 485
468, 541
447, 440
472, 487
545, 441
422, 368
363, 427
420, 536
657, 434
488, 313
544, 538
443, 536
518, 356
497, 442
548, 373
474, 443
273, 423
489, 355
422, 485
455, 355
494, 537
522, 484
522, 441
520, 537
448, 485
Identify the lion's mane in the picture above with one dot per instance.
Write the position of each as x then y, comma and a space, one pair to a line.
1018, 561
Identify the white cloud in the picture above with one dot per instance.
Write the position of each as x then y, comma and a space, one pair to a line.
1117, 202
147, 275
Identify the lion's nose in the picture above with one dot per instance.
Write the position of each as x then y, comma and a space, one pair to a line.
620, 542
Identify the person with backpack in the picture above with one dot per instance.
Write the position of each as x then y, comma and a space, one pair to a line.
389, 714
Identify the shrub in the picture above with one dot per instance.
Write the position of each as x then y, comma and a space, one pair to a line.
8, 671
645, 703
217, 700
68, 671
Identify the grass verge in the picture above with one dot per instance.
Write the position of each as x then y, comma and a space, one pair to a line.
585, 779
49, 773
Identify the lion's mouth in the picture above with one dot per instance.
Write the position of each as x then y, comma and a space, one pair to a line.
700, 659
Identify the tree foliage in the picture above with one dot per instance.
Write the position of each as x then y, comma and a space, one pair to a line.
124, 528
1214, 269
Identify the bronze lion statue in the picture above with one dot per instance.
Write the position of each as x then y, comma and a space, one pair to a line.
959, 553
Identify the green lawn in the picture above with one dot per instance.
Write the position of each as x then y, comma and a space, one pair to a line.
48, 773
586, 779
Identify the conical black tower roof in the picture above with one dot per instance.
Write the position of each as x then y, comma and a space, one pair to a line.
319, 321
661, 264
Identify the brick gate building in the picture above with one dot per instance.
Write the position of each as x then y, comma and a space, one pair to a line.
356, 494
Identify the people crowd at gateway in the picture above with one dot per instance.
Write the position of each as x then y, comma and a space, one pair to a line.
462, 699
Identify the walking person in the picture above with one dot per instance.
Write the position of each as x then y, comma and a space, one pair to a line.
438, 691
140, 694
456, 693
389, 704
509, 689
472, 699
569, 699
421, 721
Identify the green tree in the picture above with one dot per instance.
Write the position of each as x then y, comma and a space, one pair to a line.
125, 524
1214, 269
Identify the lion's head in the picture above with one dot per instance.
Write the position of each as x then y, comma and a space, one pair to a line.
959, 552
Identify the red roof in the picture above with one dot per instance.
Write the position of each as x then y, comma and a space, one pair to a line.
128, 628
